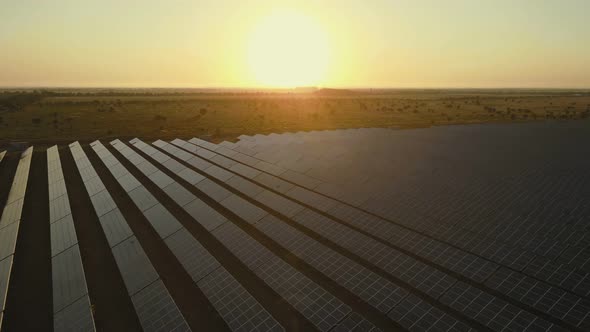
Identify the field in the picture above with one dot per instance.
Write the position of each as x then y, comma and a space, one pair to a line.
66, 115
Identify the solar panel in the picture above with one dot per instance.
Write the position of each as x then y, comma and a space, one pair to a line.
63, 235
20, 180
244, 209
10, 222
117, 170
213, 190
59, 208
369, 286
70, 294
115, 227
223, 161
355, 322
244, 186
5, 268
229, 297
273, 183
179, 194
8, 236
147, 169
218, 173
103, 203
279, 203
135, 266
75, 317
269, 168
12, 213
294, 287
199, 163
195, 259
94, 186
142, 198
205, 215
128, 182
319, 306
57, 188
160, 179
69, 283
156, 309
173, 165
245, 170
311, 198
191, 176
163, 222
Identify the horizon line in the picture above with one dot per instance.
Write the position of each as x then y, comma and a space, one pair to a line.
294, 88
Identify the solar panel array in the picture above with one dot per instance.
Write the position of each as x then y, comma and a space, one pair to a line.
445, 229
155, 307
238, 308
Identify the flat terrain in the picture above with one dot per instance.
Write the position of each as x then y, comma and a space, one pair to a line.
66, 115
452, 228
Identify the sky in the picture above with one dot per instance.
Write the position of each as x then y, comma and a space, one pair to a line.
331, 43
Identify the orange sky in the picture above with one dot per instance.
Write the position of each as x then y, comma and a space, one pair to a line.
224, 43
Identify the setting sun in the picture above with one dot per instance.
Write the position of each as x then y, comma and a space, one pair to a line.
288, 49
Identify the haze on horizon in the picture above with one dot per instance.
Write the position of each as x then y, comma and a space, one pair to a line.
336, 43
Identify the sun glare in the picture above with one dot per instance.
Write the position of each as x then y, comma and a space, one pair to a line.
288, 49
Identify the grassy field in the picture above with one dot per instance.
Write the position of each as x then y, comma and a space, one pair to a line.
44, 117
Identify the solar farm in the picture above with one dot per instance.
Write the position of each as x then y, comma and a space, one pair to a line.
457, 228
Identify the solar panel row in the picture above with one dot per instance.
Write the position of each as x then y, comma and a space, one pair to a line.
68, 277
318, 306
470, 266
545, 243
10, 222
435, 227
539, 238
415, 273
373, 289
558, 274
155, 307
367, 285
243, 313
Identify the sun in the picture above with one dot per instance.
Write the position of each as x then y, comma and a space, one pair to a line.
288, 49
